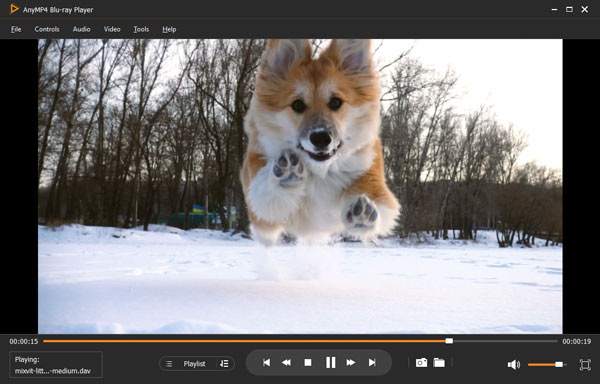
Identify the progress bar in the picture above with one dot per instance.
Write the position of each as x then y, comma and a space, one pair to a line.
444, 341
506, 341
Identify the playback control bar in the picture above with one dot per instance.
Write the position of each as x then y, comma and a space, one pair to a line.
319, 362
272, 359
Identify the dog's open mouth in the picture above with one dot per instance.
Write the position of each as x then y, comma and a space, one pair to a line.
321, 156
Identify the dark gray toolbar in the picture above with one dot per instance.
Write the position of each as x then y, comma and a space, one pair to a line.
281, 28
323, 19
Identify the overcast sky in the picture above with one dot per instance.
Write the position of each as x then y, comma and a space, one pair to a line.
520, 79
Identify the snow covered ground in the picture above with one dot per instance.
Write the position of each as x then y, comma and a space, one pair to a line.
108, 280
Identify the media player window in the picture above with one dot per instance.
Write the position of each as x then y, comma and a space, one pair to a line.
307, 186
243, 192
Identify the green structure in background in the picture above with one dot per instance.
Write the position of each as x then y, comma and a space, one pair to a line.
198, 220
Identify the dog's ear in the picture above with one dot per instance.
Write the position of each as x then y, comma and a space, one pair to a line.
282, 54
352, 55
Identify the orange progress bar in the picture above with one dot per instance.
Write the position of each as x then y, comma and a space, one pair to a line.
541, 364
244, 341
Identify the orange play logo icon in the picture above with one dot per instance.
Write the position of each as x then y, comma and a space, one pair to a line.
14, 8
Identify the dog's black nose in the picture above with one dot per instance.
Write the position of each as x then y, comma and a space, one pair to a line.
320, 139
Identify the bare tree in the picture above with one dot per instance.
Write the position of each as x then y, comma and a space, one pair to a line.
135, 130
59, 181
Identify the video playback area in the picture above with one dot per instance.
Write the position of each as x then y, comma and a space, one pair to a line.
296, 186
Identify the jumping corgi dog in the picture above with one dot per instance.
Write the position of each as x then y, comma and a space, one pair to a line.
314, 164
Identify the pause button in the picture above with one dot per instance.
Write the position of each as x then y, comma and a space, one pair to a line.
330, 362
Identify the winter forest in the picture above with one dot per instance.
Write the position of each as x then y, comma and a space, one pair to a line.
131, 132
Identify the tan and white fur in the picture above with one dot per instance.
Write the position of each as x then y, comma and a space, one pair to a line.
314, 164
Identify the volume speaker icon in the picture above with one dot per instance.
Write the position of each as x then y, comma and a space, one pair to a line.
515, 364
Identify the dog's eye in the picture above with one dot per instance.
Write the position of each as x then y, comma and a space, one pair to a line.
298, 106
335, 103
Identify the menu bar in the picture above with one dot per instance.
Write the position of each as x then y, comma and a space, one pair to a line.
294, 28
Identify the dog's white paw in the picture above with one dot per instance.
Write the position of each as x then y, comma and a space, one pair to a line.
289, 171
360, 214
276, 191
